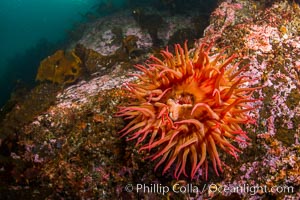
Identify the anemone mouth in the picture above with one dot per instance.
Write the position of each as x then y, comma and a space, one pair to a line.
184, 98
179, 110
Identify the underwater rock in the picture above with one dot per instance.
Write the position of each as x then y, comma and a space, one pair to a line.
91, 60
129, 45
74, 145
106, 34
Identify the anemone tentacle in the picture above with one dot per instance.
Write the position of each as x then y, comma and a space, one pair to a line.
188, 107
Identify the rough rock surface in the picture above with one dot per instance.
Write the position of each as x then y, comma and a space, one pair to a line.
68, 145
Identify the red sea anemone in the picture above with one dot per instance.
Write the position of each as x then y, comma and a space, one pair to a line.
187, 107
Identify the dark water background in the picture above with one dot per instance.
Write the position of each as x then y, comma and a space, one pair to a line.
30, 30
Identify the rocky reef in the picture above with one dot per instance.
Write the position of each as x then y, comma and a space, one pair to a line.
61, 140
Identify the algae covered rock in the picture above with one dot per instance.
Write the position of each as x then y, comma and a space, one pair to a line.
68, 147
